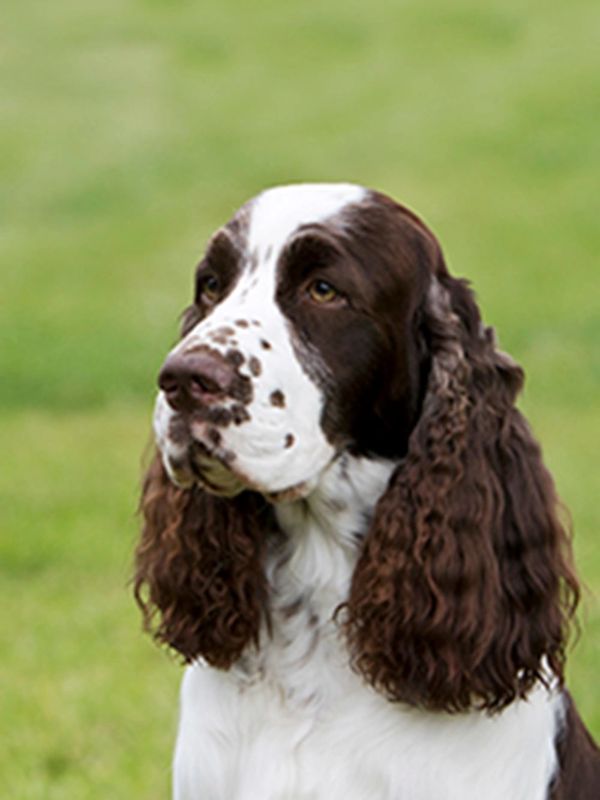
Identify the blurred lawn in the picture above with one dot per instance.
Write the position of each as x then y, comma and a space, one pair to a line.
129, 131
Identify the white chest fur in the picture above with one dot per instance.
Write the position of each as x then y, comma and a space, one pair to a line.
293, 722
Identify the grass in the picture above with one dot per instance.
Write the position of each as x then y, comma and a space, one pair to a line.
129, 131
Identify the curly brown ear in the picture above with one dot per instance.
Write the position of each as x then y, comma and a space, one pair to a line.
199, 578
464, 590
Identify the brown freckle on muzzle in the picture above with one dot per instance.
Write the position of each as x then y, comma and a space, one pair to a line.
219, 338
216, 416
241, 389
289, 440
277, 398
265, 345
240, 414
235, 358
222, 335
242, 323
178, 431
255, 366
214, 436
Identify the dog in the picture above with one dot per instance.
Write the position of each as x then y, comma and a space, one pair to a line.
349, 533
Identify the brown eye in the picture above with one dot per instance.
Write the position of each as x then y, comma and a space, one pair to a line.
209, 288
322, 292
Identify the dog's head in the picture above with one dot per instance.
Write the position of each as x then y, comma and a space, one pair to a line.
302, 342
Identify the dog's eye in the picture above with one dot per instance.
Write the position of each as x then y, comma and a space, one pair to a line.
209, 288
323, 292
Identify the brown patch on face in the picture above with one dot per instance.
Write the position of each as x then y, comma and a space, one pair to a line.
265, 345
242, 323
366, 354
277, 398
289, 440
255, 366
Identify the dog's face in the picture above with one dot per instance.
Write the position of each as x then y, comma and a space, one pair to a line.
301, 343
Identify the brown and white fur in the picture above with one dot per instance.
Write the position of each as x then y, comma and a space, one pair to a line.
349, 534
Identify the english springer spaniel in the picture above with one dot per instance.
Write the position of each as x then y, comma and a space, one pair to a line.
350, 535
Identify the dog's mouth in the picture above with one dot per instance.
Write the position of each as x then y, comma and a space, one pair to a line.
193, 454
203, 461
210, 467
206, 466
197, 452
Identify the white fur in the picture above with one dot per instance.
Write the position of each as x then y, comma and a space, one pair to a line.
293, 722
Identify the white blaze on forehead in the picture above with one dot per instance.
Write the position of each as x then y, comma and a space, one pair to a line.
277, 213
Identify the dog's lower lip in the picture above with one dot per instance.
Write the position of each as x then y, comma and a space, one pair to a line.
203, 479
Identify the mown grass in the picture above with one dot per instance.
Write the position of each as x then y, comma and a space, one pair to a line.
129, 131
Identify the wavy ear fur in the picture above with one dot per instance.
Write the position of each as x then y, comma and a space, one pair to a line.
464, 590
199, 576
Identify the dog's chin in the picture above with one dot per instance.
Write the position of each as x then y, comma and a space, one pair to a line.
218, 476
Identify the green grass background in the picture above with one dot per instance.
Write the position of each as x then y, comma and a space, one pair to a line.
129, 131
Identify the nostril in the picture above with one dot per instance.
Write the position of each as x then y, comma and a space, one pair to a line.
194, 379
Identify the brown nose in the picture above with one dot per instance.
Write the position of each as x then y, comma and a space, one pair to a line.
193, 380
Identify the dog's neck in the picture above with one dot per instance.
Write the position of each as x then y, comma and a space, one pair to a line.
323, 533
309, 570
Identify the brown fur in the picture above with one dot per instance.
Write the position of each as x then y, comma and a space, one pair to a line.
199, 577
465, 584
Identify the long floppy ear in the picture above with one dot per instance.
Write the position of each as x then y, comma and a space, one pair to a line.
464, 590
199, 576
